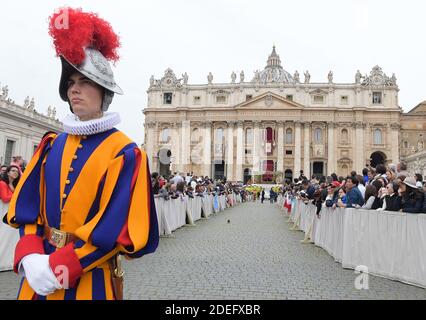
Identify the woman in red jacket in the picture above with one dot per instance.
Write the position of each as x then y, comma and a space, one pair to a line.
9, 236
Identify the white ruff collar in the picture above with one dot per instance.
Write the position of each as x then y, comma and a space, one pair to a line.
74, 126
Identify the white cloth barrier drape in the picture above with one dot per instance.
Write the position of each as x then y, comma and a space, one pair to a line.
390, 244
175, 213
207, 205
9, 237
194, 208
222, 202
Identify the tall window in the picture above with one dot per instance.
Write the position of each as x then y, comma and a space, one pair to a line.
249, 136
167, 98
377, 136
345, 136
165, 135
318, 135
289, 136
9, 150
377, 97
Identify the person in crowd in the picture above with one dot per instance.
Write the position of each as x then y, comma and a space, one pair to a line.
9, 237
308, 188
419, 180
18, 162
3, 169
332, 194
371, 174
370, 198
341, 199
262, 197
380, 187
361, 184
365, 176
391, 174
302, 176
401, 170
412, 197
381, 173
392, 200
8, 183
353, 195
178, 177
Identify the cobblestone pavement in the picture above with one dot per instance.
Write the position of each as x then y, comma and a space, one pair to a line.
254, 256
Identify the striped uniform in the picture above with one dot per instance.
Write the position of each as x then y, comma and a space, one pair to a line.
96, 187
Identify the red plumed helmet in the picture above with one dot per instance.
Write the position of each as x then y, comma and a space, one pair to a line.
73, 30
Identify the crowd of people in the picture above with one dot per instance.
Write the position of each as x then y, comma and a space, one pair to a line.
179, 185
387, 187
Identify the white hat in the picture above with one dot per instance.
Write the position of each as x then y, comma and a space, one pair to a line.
410, 181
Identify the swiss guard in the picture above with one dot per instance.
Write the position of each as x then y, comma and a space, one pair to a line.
85, 198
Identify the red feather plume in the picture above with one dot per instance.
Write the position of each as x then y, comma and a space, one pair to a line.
73, 30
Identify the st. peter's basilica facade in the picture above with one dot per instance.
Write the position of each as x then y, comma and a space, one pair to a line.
273, 124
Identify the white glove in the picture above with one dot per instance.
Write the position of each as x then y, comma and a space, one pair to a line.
39, 275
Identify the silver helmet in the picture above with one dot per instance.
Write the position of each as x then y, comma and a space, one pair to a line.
95, 67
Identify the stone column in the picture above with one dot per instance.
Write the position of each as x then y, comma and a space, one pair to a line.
150, 140
207, 151
394, 143
239, 174
359, 146
297, 149
186, 145
280, 146
176, 147
306, 149
230, 152
256, 147
331, 162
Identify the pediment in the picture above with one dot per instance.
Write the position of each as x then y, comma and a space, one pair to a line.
269, 100
419, 109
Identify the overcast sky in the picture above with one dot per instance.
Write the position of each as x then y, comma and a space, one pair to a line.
220, 36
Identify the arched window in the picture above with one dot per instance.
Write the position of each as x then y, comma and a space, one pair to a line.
377, 136
249, 136
318, 135
165, 134
406, 144
289, 136
345, 135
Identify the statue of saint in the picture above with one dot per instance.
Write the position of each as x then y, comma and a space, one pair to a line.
296, 77
307, 76
242, 76
210, 78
